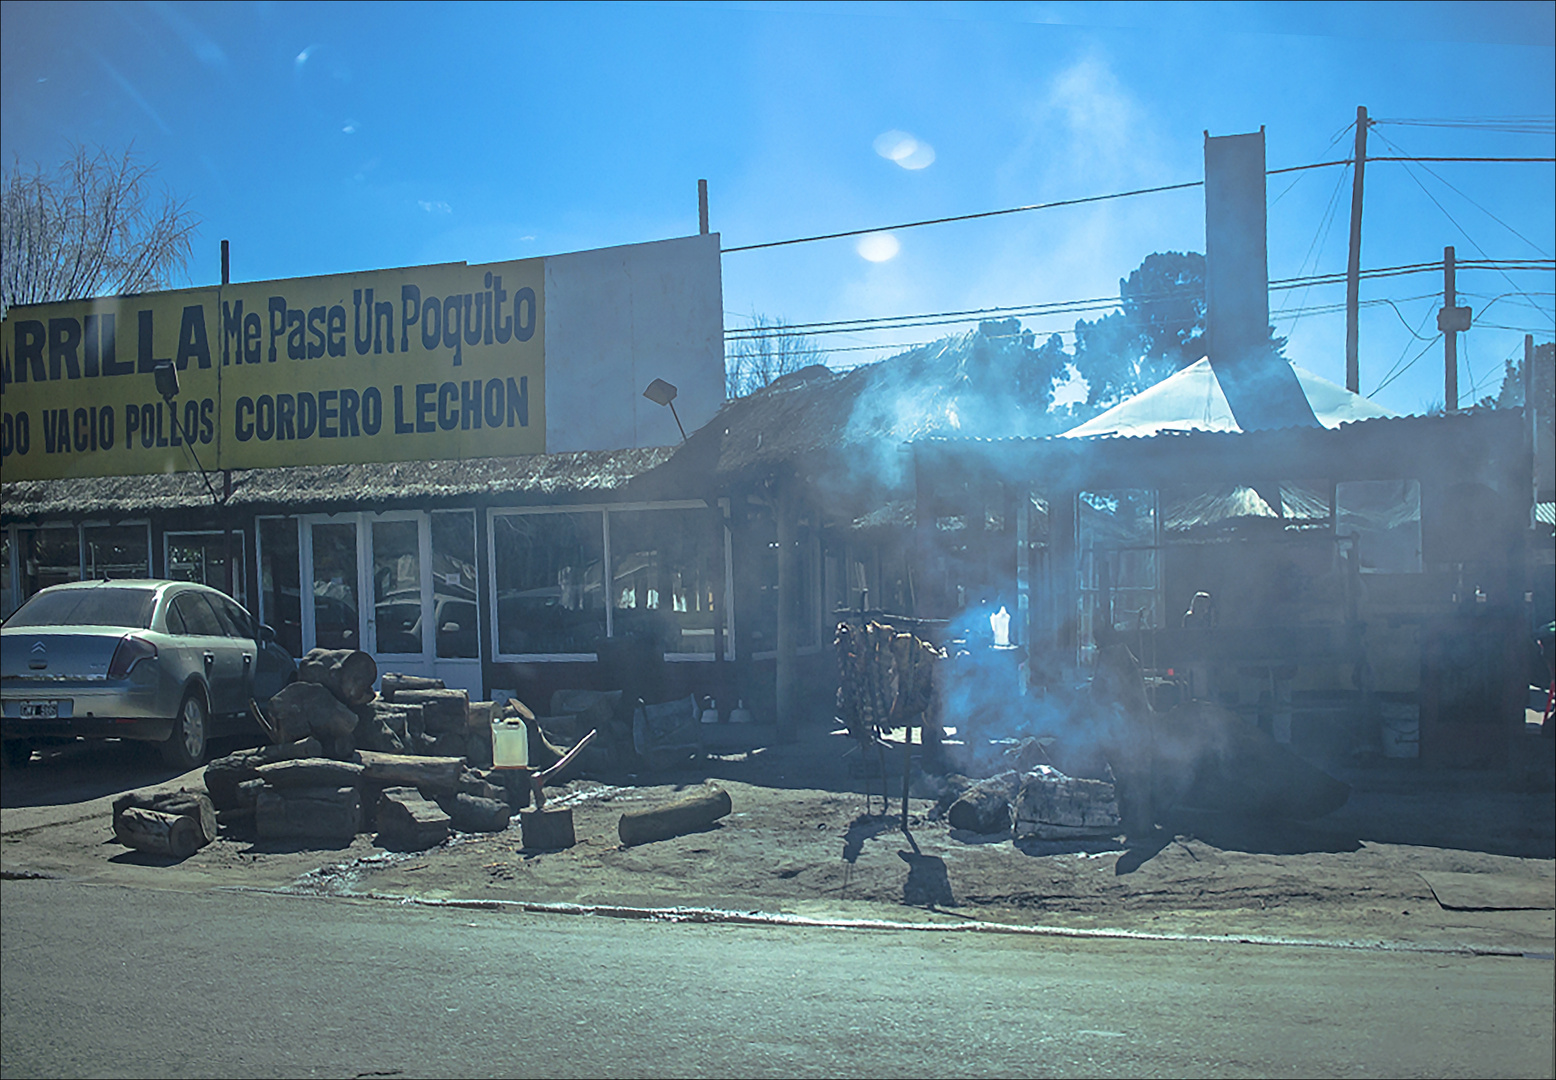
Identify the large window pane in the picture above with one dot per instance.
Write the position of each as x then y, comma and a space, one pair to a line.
453, 583
202, 557
49, 557
280, 578
335, 623
550, 582
396, 586
116, 551
662, 577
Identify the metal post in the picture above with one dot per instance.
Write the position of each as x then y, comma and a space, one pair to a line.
1353, 266
702, 207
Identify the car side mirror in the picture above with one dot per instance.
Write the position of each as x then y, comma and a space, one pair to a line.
267, 634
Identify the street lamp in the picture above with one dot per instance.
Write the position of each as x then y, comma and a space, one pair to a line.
166, 376
663, 393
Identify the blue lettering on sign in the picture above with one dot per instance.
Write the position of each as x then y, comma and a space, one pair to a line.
16, 433
424, 407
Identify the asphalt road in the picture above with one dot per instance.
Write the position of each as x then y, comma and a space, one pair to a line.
98, 981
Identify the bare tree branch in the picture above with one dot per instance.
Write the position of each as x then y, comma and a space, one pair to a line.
750, 363
92, 227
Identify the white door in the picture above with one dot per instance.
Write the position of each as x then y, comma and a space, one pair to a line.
415, 571
455, 639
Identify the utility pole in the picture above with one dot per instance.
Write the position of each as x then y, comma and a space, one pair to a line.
227, 473
1450, 320
1353, 266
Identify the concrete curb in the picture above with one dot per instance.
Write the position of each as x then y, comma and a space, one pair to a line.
763, 918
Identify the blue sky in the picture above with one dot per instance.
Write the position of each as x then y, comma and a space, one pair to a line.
320, 138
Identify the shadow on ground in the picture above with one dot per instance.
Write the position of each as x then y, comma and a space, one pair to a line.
90, 769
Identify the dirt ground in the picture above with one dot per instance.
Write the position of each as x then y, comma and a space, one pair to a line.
1416, 857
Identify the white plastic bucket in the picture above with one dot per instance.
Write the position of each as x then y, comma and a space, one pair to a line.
510, 744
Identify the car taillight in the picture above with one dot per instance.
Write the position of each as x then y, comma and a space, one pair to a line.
131, 651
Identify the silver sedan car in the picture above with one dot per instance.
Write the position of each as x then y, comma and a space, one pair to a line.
169, 662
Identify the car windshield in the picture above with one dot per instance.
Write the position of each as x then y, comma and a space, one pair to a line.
103, 606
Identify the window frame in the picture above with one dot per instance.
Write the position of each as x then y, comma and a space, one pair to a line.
604, 510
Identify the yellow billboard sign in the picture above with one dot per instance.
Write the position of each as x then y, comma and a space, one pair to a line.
422, 363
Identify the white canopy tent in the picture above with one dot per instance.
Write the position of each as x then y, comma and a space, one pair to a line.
1192, 400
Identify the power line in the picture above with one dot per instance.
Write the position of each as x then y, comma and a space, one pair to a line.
1498, 160
940, 318
1092, 199
966, 217
1444, 209
1379, 388
1518, 125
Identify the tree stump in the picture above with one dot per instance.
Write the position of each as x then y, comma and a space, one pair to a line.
409, 822
547, 830
348, 674
175, 835
689, 813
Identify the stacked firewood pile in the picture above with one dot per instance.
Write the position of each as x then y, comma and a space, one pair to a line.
412, 802
333, 701
416, 715
347, 760
886, 679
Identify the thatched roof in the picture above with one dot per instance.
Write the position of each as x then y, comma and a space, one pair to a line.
527, 479
832, 423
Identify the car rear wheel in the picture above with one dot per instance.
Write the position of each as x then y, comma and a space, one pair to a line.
185, 747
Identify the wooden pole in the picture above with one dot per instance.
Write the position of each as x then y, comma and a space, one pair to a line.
1450, 337
723, 699
227, 473
786, 515
1353, 266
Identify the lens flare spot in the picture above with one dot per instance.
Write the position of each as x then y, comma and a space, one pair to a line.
905, 150
878, 247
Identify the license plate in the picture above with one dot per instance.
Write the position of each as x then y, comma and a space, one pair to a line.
40, 710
